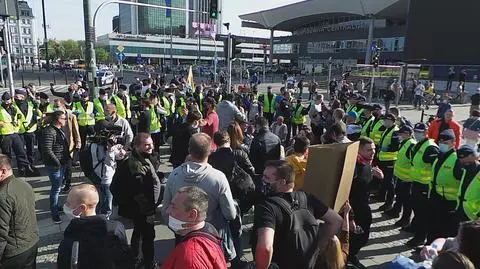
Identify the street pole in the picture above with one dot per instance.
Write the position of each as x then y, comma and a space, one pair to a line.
229, 61
91, 66
329, 72
264, 62
368, 55
8, 45
45, 36
171, 43
371, 85
215, 62
1, 70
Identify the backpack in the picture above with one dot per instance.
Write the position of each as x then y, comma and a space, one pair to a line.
301, 242
241, 184
86, 164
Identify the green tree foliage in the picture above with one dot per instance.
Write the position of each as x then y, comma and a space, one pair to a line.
101, 55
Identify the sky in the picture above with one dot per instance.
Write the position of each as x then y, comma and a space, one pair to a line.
65, 17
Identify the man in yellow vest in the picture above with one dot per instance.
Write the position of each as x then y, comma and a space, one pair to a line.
10, 140
402, 171
100, 105
386, 157
85, 117
468, 206
122, 101
424, 154
156, 112
27, 123
367, 120
299, 117
377, 128
447, 175
268, 102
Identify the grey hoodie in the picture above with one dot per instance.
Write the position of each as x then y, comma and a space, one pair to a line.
220, 201
228, 112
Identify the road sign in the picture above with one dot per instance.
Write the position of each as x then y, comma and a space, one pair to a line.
140, 60
121, 56
120, 48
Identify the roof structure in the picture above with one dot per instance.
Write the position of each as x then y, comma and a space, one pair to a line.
293, 16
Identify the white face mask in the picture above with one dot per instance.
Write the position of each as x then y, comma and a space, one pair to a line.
69, 212
175, 224
419, 136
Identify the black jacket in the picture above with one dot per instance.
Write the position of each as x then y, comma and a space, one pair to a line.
102, 244
181, 136
18, 223
54, 147
223, 160
265, 146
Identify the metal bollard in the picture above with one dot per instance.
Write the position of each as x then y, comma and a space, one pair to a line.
23, 82
39, 81
54, 78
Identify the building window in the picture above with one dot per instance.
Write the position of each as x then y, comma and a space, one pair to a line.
29, 41
23, 21
29, 22
26, 50
13, 30
25, 30
17, 50
29, 31
16, 40
25, 41
31, 50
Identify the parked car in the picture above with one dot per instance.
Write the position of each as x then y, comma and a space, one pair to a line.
105, 77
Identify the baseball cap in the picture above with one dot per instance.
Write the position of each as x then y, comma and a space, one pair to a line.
446, 135
21, 91
465, 151
420, 127
376, 107
352, 114
85, 94
43, 95
390, 116
102, 91
406, 129
6, 96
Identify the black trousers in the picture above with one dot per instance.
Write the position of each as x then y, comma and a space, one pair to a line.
443, 222
67, 181
363, 218
317, 132
387, 186
143, 238
269, 117
84, 131
157, 140
25, 260
14, 144
420, 206
289, 132
404, 198
29, 141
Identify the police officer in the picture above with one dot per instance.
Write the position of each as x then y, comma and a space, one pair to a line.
123, 102
377, 128
299, 117
468, 207
268, 102
386, 157
402, 171
424, 153
156, 112
85, 117
447, 175
10, 140
27, 123
367, 120
100, 105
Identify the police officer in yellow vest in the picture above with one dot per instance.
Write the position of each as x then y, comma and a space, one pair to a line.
402, 171
299, 117
156, 112
10, 140
268, 102
386, 157
424, 154
376, 128
27, 123
85, 117
447, 175
367, 120
468, 206
122, 101
100, 105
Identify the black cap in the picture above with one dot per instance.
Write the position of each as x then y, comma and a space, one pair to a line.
420, 127
465, 151
476, 113
355, 96
390, 116
85, 94
406, 129
42, 95
102, 91
376, 107
6, 96
362, 98
446, 135
21, 91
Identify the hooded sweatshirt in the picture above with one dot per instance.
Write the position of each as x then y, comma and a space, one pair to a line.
220, 201
299, 165
228, 112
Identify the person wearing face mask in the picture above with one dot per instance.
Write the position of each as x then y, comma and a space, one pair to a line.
85, 116
367, 120
386, 157
423, 155
268, 102
376, 127
265, 145
199, 244
136, 188
471, 129
27, 123
156, 112
447, 175
122, 101
100, 104
93, 232
446, 122
468, 203
126, 136
402, 170
269, 241
18, 227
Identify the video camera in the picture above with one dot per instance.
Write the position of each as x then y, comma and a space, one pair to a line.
106, 134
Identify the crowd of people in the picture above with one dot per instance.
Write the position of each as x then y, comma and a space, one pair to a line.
233, 153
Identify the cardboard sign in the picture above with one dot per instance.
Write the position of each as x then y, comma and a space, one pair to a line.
329, 174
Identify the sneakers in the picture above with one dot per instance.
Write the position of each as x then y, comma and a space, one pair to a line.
56, 219
66, 189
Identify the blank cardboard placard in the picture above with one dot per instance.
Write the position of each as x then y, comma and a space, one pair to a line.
329, 174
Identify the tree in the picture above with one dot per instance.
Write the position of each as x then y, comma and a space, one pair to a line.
101, 54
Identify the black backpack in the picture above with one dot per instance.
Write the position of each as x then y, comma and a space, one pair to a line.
86, 164
241, 184
301, 242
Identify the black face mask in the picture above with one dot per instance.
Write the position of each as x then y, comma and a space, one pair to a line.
268, 188
19, 101
469, 166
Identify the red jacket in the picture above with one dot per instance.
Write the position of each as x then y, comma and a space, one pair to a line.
433, 131
197, 252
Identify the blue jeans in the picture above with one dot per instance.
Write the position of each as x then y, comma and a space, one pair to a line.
106, 198
56, 176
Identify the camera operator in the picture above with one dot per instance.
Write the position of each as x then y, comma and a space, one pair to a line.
105, 154
126, 136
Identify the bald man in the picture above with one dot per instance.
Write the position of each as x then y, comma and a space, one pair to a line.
126, 137
102, 242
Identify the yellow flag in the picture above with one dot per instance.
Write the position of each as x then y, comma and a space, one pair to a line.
190, 78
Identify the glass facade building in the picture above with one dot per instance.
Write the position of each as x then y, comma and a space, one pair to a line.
155, 21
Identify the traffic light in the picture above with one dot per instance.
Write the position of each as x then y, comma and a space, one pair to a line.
213, 9
236, 52
376, 57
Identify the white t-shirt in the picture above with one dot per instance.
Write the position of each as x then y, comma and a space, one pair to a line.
419, 90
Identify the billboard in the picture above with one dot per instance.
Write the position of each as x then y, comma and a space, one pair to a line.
443, 32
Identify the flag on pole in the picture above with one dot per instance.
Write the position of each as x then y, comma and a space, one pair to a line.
168, 12
190, 78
